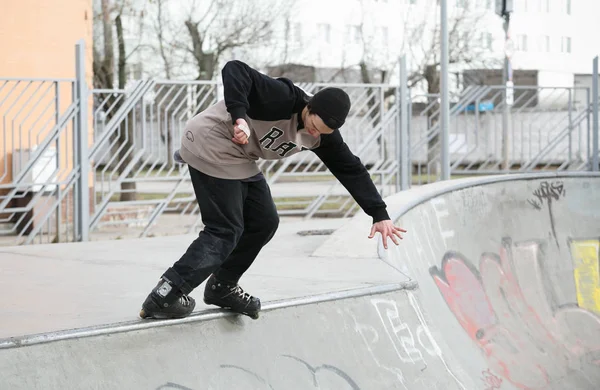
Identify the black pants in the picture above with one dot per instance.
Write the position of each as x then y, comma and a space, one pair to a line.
239, 217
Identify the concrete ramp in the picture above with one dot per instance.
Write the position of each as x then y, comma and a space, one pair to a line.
508, 275
495, 286
346, 343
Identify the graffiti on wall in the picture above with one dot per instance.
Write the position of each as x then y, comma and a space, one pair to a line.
172, 386
586, 272
547, 193
397, 343
317, 377
314, 376
490, 381
506, 306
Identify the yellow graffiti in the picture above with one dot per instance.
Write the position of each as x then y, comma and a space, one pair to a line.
587, 273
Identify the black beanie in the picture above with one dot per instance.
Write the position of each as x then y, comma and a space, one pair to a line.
332, 105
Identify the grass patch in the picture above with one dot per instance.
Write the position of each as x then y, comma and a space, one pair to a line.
144, 196
335, 204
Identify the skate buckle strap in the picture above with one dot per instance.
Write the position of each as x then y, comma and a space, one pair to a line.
164, 289
177, 281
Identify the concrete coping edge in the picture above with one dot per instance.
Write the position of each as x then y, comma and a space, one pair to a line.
401, 203
205, 315
444, 187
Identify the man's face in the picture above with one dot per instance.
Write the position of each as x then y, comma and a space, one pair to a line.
315, 126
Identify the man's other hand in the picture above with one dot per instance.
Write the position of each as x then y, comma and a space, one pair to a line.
241, 132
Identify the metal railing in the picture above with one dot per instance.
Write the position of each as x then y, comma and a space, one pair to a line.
59, 182
40, 179
136, 180
545, 129
135, 176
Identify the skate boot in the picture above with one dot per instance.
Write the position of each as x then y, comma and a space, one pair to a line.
230, 296
167, 301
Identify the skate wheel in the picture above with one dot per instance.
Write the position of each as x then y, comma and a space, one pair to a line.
143, 314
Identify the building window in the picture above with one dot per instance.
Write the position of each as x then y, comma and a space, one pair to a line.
486, 40
565, 45
384, 36
463, 37
521, 5
354, 34
522, 42
324, 32
382, 33
357, 34
544, 43
297, 32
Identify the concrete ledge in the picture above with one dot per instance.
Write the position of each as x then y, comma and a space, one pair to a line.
206, 315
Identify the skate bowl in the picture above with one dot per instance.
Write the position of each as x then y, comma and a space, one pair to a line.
508, 280
498, 287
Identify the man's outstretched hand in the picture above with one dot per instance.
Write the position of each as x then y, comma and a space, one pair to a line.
387, 229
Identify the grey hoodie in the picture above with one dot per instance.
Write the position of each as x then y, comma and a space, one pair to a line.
207, 146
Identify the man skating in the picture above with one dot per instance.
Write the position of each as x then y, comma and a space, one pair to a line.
259, 117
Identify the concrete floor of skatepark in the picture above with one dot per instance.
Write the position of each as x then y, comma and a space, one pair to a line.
496, 285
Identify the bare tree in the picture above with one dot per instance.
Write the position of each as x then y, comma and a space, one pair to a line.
104, 56
422, 46
466, 47
421, 43
193, 38
110, 16
162, 25
194, 41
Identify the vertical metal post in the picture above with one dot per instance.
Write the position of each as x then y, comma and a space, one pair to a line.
74, 196
404, 145
382, 139
81, 145
595, 116
570, 125
444, 93
508, 91
58, 158
398, 133
588, 127
503, 9
409, 114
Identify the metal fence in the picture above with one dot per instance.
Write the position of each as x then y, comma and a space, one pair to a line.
41, 196
544, 128
136, 179
133, 185
557, 137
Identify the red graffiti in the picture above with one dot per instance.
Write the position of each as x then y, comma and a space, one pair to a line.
491, 381
504, 308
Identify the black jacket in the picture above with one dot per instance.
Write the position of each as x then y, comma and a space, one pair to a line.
260, 97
